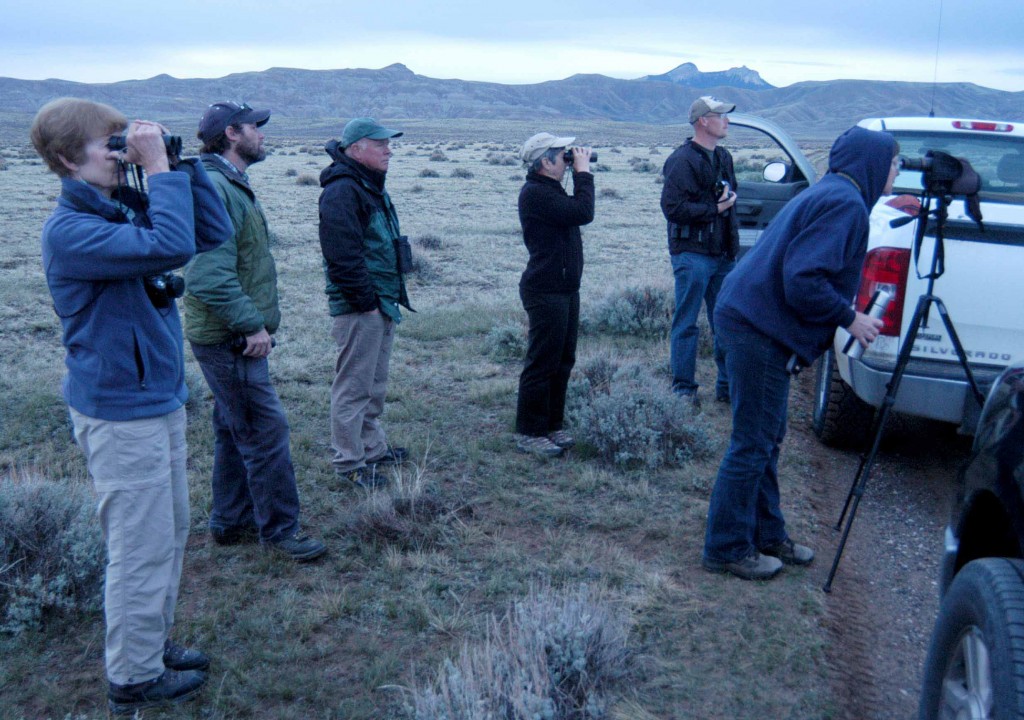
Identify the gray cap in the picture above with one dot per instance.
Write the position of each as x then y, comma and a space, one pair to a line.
707, 104
540, 144
364, 127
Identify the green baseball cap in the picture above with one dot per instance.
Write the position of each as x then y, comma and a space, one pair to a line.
364, 127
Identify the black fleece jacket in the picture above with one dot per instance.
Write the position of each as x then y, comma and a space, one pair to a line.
551, 220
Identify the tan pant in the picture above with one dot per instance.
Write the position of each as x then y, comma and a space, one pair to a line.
138, 470
360, 384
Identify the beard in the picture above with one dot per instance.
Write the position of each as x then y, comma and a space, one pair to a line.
251, 151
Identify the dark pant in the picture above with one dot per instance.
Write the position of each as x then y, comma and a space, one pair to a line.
744, 514
550, 357
253, 478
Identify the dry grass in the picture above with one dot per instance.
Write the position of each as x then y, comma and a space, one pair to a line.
412, 573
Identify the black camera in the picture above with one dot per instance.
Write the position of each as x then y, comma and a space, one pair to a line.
720, 187
567, 156
171, 142
164, 289
944, 174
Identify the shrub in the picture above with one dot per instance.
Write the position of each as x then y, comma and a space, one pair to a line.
633, 419
505, 342
291, 172
600, 167
462, 173
654, 151
306, 179
609, 192
52, 555
417, 188
644, 311
429, 242
642, 165
428, 173
552, 656
495, 158
3, 164
615, 150
438, 156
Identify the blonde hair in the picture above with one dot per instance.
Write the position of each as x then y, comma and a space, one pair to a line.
62, 127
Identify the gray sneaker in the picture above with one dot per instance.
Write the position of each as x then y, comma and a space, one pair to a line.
539, 445
753, 567
299, 548
789, 552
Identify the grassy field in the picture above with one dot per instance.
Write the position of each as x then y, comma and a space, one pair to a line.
341, 638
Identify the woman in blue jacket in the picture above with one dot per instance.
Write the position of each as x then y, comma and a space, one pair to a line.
107, 253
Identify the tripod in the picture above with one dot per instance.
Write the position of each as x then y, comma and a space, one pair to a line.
920, 319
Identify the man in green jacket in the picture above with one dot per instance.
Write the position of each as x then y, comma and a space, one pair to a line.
362, 247
231, 312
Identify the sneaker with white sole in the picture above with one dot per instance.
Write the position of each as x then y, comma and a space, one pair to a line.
538, 445
755, 566
790, 553
562, 439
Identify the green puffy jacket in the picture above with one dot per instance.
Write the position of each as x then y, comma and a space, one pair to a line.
358, 236
233, 289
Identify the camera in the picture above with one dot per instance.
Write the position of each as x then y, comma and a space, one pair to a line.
171, 142
164, 289
720, 187
944, 174
567, 156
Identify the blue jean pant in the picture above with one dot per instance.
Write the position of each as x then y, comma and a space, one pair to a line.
698, 278
744, 513
253, 479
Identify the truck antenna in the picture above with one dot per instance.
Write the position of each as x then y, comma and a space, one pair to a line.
935, 71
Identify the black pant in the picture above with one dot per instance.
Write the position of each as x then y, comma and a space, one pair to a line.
550, 357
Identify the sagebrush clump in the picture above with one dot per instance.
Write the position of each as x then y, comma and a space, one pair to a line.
506, 342
643, 311
428, 173
52, 555
552, 657
633, 418
306, 179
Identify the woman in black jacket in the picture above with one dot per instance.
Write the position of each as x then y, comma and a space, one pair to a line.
549, 287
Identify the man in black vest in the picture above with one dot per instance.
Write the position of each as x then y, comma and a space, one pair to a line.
697, 199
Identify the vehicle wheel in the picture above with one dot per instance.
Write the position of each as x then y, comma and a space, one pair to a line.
840, 419
975, 665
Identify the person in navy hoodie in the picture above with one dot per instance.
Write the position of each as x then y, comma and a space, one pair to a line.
784, 301
107, 253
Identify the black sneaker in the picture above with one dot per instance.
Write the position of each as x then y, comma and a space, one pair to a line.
368, 478
170, 688
300, 548
239, 535
177, 657
790, 553
391, 456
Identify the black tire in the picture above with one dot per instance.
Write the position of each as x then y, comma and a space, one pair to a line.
840, 419
975, 665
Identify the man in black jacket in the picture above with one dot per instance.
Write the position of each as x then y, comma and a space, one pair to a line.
697, 199
549, 287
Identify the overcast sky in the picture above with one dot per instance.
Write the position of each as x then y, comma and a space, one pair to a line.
979, 41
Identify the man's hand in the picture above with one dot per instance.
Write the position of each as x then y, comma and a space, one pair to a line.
581, 159
727, 200
865, 328
258, 344
144, 146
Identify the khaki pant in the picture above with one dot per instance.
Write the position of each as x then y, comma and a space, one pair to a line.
360, 385
138, 470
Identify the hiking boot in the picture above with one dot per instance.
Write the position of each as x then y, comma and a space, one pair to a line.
753, 567
177, 657
368, 477
300, 548
562, 439
392, 456
692, 399
169, 688
240, 535
538, 445
790, 553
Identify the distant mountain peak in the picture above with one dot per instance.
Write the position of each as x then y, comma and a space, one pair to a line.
688, 74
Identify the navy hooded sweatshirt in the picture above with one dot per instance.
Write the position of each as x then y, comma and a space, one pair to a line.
797, 283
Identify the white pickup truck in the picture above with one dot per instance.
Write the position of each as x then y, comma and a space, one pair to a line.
982, 286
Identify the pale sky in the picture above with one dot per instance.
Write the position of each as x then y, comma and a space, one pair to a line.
529, 41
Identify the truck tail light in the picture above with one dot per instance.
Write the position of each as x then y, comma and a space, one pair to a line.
886, 269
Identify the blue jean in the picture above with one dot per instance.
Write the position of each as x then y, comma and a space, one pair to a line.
744, 513
698, 277
253, 479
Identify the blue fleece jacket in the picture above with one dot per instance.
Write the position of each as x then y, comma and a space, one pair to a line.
125, 357
797, 283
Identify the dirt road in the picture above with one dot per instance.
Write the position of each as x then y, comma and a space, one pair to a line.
885, 596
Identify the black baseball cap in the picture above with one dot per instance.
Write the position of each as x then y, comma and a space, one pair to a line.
219, 115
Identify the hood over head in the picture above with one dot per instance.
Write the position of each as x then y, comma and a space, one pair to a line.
865, 157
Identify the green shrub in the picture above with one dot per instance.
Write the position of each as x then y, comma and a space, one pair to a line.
306, 179
644, 311
438, 156
496, 158
52, 555
462, 173
635, 419
428, 173
429, 242
505, 342
552, 657
642, 165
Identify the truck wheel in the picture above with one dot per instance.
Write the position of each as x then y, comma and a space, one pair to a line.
841, 419
975, 665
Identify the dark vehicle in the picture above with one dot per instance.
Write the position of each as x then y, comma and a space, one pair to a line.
975, 664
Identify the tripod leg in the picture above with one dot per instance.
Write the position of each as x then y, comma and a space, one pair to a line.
961, 355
